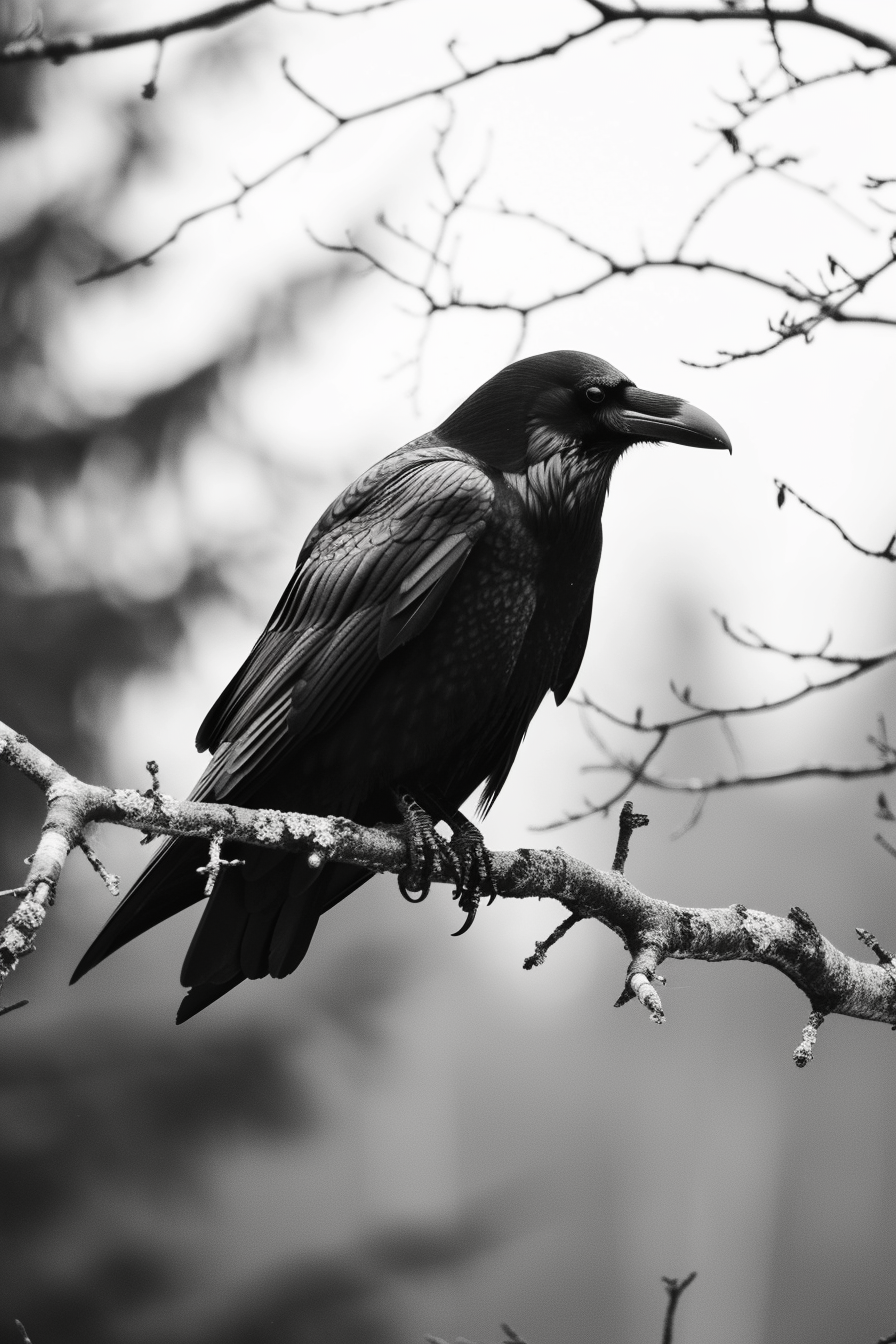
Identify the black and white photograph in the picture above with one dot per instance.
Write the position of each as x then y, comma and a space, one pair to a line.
447, 672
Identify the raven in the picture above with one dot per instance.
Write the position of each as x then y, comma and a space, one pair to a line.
433, 606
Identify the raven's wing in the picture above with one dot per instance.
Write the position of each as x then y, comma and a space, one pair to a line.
371, 576
574, 652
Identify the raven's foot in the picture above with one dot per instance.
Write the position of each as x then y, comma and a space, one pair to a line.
425, 846
475, 877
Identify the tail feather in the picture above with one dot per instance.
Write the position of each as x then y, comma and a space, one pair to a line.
262, 916
259, 921
297, 920
214, 952
167, 885
200, 996
299, 916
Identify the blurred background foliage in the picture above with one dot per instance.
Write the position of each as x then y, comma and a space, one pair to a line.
108, 1130
411, 1135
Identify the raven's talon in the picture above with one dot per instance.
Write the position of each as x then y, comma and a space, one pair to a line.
411, 875
476, 876
471, 915
425, 845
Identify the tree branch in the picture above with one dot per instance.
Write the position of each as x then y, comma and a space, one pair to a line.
674, 1289
60, 49
33, 46
638, 769
651, 929
434, 282
887, 552
37, 48
763, 13
827, 304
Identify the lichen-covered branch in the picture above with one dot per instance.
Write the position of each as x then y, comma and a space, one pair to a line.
651, 929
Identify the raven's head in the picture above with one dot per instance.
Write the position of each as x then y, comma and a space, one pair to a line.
569, 400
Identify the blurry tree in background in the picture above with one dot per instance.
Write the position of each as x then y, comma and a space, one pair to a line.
102, 555
119, 527
105, 1132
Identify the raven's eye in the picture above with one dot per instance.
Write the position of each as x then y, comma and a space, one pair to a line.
595, 394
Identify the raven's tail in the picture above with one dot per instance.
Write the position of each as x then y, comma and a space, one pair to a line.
167, 885
259, 920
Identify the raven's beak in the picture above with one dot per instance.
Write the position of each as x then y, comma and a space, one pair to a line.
650, 415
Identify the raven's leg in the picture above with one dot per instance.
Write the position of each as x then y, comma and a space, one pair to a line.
425, 845
476, 877
466, 854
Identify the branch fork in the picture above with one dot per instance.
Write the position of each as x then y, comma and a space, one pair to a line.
215, 863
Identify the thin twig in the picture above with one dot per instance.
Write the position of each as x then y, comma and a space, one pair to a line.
60, 49
641, 769
804, 1053
35, 47
887, 552
674, 1289
885, 844
824, 306
629, 821
112, 882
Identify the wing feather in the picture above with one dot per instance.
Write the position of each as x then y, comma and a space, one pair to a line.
370, 577
573, 654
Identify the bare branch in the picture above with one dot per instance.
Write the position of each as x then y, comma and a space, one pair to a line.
785, 329
629, 821
674, 1289
885, 844
807, 15
887, 552
113, 883
858, 666
636, 769
510, 1337
439, 291
57, 50
652, 930
804, 1053
232, 202
340, 121
212, 870
34, 48
60, 49
636, 773
338, 13
793, 80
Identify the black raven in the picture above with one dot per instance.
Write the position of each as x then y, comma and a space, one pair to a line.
432, 608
